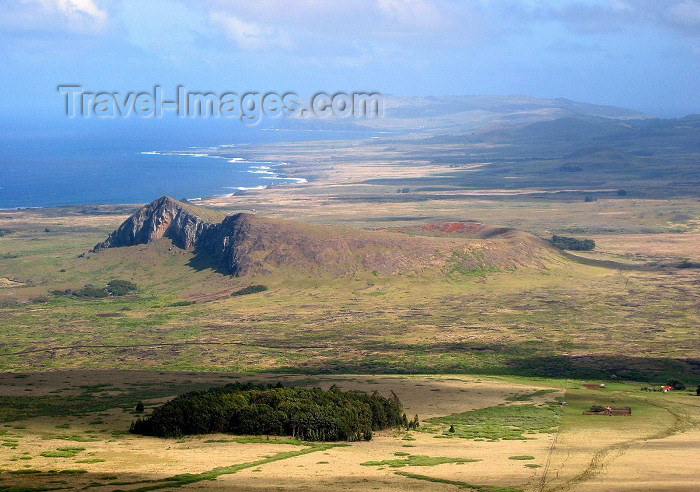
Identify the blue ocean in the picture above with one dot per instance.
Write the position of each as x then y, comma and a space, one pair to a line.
88, 163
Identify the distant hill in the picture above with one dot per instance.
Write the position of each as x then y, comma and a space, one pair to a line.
541, 144
471, 113
243, 244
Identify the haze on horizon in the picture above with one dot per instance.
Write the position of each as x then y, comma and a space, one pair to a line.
639, 54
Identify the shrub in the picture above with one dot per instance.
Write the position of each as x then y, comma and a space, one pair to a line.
114, 287
412, 425
121, 287
572, 244
91, 291
57, 292
676, 384
251, 289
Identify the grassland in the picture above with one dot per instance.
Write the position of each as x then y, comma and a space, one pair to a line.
566, 319
87, 447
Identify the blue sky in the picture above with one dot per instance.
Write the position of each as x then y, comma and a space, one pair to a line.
642, 54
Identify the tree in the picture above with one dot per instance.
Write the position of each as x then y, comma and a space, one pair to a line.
676, 384
139, 407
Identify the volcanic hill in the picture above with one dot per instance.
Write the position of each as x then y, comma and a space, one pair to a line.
244, 243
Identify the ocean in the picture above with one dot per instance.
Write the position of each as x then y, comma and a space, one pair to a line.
83, 164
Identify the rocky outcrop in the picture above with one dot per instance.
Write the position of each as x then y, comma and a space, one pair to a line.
232, 243
229, 244
164, 217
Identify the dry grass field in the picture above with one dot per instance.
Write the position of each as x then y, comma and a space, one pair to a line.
71, 435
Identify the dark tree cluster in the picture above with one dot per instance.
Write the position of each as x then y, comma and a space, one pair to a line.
121, 287
114, 288
572, 244
676, 384
251, 289
249, 409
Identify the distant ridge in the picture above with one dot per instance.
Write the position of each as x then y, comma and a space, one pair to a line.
244, 243
482, 112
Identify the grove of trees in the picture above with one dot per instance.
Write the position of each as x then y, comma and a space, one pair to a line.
250, 409
571, 243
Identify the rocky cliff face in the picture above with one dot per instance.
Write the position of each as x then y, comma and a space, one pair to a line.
232, 242
164, 217
228, 243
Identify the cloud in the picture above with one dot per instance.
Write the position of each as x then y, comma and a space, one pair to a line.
250, 35
413, 14
58, 15
357, 34
79, 8
613, 16
685, 16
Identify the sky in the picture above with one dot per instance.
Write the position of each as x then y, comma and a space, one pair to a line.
638, 54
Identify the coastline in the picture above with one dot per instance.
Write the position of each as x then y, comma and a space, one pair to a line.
266, 169
264, 173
